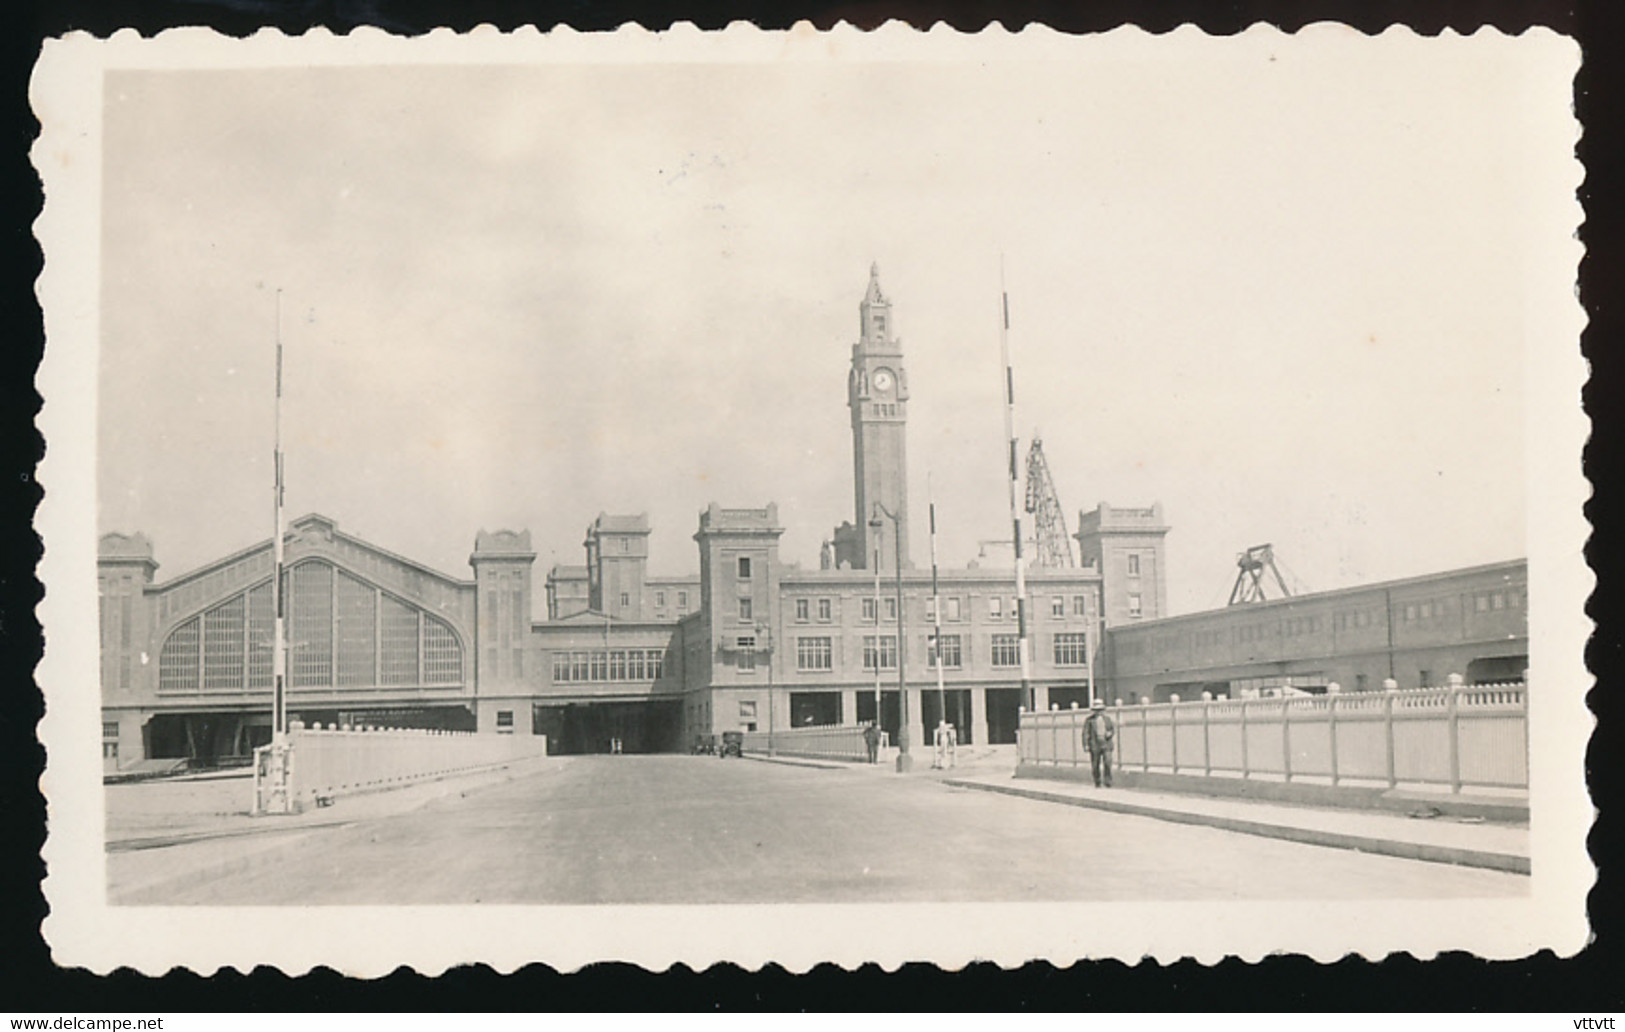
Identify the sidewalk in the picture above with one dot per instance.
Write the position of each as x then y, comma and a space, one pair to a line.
158, 831
1498, 847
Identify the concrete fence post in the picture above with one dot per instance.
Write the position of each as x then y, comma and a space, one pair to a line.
1072, 734
1173, 729
1453, 720
1145, 736
1286, 737
1332, 692
1207, 741
1245, 773
1388, 728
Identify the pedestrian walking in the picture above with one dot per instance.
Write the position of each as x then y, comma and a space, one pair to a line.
1098, 734
871, 741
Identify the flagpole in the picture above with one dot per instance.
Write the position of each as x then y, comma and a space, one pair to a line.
936, 612
1015, 509
279, 655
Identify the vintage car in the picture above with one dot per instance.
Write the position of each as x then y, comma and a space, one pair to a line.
733, 744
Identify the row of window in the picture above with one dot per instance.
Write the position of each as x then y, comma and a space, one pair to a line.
952, 608
816, 653
340, 632
608, 665
1297, 626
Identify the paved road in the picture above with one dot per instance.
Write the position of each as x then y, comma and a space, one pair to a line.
680, 829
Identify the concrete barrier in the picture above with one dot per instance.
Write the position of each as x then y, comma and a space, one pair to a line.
826, 742
324, 763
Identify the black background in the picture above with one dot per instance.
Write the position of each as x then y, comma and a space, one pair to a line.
1593, 982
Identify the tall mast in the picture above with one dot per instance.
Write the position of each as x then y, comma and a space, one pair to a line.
279, 655
1015, 475
936, 609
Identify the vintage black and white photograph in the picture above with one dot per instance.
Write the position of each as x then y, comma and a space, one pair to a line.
697, 495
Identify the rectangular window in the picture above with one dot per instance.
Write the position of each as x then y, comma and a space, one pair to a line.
1133, 566
682, 600
949, 650
561, 667
891, 610
1481, 603
1425, 677
953, 608
1071, 649
1498, 600
1360, 682
823, 610
747, 709
995, 608
744, 610
803, 609
868, 610
626, 599
617, 665
1514, 599
1134, 604
814, 654
660, 599
578, 666
599, 667
110, 729
505, 721
888, 652
1410, 613
744, 567
1006, 650
1080, 605
655, 664
1057, 607
745, 658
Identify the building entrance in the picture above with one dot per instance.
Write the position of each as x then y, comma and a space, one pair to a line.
1003, 715
957, 702
890, 714
576, 729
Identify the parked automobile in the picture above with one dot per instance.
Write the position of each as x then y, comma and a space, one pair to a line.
733, 744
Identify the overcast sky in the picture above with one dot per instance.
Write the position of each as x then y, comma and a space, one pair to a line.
1284, 297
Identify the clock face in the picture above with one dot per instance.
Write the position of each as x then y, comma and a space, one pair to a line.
883, 381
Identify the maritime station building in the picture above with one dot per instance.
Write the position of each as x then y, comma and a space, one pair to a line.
753, 640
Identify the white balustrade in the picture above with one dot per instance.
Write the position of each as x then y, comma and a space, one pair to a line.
1457, 736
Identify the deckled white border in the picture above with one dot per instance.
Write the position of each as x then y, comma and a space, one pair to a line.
368, 941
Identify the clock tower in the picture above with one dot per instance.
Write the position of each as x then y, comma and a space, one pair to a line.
877, 394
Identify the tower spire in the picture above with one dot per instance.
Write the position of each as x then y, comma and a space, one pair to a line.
877, 395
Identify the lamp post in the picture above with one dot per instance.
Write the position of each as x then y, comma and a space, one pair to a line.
878, 722
905, 761
764, 645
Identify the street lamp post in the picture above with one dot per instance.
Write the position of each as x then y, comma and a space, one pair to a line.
764, 645
905, 761
878, 722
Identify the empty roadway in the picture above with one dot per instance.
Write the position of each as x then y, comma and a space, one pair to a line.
681, 829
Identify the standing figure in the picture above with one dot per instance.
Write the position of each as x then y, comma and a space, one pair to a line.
1098, 732
871, 740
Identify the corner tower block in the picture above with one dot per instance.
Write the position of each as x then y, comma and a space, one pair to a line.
502, 562
1126, 545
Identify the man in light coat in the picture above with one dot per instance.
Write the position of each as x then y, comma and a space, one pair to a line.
1098, 734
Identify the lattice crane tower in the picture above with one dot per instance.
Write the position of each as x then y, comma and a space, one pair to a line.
1054, 546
